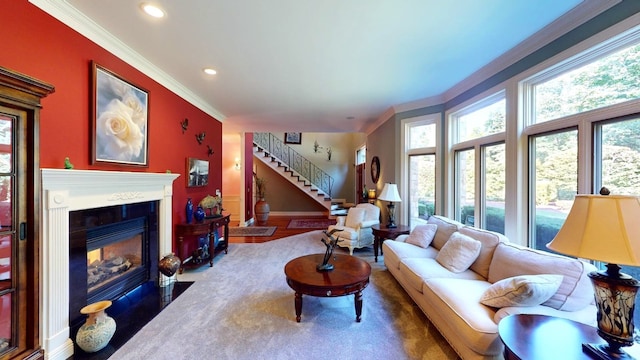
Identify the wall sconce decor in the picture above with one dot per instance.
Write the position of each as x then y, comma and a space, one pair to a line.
237, 165
209, 150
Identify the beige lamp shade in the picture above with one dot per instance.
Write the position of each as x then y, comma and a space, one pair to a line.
601, 227
390, 193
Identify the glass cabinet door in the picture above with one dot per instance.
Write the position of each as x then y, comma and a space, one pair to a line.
10, 290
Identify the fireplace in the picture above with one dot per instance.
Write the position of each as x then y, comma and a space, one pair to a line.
112, 250
65, 192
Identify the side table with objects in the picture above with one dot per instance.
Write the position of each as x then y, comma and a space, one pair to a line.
203, 239
382, 232
531, 337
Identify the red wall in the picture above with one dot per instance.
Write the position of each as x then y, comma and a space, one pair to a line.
40, 46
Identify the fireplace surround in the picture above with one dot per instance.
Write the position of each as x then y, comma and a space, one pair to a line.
64, 191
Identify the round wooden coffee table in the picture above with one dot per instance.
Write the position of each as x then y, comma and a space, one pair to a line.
349, 276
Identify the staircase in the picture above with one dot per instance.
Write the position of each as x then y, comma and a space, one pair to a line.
293, 167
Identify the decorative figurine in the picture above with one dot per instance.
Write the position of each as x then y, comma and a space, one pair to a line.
67, 163
200, 137
185, 124
330, 242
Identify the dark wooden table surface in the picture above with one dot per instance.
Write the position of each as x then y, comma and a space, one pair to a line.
542, 337
382, 232
349, 276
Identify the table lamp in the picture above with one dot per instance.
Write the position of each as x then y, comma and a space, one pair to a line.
390, 193
606, 228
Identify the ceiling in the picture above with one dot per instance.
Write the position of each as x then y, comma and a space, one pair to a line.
311, 66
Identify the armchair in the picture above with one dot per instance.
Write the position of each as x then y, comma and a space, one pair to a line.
356, 226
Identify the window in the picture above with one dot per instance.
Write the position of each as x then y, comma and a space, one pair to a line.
606, 81
618, 156
422, 188
554, 185
494, 187
465, 186
479, 123
420, 141
479, 163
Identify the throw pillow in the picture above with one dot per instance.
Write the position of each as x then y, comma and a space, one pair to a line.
422, 235
459, 252
524, 290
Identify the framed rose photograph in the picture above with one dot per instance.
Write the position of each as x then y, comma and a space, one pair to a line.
197, 172
120, 120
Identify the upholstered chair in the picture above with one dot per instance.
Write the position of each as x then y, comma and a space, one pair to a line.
356, 226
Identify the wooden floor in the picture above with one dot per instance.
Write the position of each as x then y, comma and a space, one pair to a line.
281, 231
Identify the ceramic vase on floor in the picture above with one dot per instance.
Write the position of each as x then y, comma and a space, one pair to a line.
169, 264
99, 328
262, 212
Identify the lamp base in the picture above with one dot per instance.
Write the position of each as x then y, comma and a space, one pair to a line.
605, 352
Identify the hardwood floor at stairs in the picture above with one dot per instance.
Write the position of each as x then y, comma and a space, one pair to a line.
281, 231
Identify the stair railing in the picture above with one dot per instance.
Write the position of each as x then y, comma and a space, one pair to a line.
292, 159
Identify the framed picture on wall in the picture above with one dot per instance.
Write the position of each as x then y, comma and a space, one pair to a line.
120, 120
292, 138
197, 172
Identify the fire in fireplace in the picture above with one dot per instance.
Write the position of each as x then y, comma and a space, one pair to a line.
112, 251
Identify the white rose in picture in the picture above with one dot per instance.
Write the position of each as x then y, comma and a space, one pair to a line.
139, 114
119, 137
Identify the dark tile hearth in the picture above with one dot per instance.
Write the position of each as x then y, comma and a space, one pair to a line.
131, 312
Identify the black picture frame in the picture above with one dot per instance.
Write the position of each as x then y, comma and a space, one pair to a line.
375, 169
113, 95
197, 172
292, 138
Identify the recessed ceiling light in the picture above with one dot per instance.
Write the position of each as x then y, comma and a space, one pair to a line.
209, 71
152, 10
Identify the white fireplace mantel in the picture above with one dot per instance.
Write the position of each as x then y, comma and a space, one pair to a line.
70, 190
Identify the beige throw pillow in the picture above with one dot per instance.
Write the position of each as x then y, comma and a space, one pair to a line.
422, 235
459, 252
524, 290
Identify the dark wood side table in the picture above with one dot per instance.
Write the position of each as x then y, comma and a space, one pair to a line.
544, 337
350, 275
382, 232
195, 230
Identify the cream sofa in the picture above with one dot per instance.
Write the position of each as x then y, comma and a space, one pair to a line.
451, 300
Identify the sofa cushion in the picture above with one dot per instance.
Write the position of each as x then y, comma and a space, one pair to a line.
396, 251
416, 271
446, 227
459, 252
489, 240
422, 235
575, 291
524, 290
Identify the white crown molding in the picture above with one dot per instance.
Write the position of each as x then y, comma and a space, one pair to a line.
577, 16
371, 127
418, 104
70, 16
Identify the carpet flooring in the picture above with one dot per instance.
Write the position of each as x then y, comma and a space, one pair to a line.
252, 231
242, 308
310, 223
